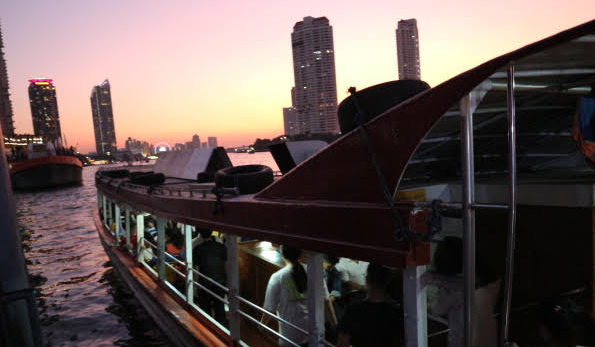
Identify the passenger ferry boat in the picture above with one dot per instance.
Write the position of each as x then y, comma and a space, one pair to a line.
46, 171
489, 150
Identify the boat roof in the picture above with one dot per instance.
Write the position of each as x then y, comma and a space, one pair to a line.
418, 139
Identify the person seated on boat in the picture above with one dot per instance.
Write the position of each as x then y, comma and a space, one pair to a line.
332, 279
174, 243
375, 321
210, 259
286, 296
150, 231
449, 299
353, 277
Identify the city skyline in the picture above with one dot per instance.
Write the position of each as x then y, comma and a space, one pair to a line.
173, 80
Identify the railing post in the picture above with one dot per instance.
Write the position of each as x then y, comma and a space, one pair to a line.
161, 247
233, 283
467, 106
127, 226
105, 221
189, 264
508, 275
415, 308
315, 300
117, 222
140, 235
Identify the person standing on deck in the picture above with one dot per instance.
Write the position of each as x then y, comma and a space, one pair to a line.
209, 258
375, 322
583, 130
353, 275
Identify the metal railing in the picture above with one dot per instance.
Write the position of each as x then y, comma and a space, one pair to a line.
160, 257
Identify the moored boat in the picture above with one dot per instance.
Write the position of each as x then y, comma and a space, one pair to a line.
47, 171
367, 196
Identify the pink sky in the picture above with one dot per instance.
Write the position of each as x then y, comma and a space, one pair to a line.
224, 68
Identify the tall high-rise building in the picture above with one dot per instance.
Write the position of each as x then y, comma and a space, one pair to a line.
314, 74
6, 123
195, 141
212, 142
290, 121
44, 109
408, 50
103, 118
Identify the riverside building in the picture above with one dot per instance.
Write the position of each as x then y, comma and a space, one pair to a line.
44, 109
6, 123
408, 50
314, 73
103, 118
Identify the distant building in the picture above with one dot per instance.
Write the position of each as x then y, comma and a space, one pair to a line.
195, 141
212, 142
178, 147
103, 118
6, 122
204, 145
138, 147
290, 121
315, 92
408, 50
44, 108
22, 140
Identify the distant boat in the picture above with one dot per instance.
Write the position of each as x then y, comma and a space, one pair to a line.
250, 151
46, 172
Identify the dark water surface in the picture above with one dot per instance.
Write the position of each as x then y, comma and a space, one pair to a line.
82, 300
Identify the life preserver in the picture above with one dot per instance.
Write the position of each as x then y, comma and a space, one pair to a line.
249, 179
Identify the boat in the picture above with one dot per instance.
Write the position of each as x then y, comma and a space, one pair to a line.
45, 172
490, 150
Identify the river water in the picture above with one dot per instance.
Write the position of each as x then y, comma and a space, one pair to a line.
82, 302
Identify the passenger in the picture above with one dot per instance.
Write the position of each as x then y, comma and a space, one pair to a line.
286, 296
209, 259
374, 322
332, 277
449, 299
353, 275
174, 243
150, 231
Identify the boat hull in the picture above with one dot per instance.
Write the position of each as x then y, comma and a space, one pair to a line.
46, 173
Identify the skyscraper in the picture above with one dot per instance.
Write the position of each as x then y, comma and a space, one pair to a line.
290, 121
314, 74
408, 50
103, 118
212, 142
195, 141
44, 109
6, 123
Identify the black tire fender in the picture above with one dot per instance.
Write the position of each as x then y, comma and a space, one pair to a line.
249, 179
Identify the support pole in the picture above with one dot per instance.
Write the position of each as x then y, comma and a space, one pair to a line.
161, 247
105, 204
189, 264
19, 323
415, 308
233, 283
315, 300
508, 275
467, 106
140, 235
127, 226
117, 222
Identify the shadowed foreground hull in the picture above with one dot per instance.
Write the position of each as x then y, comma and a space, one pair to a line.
46, 172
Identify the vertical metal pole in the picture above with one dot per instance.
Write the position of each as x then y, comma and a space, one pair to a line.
117, 222
508, 276
140, 235
105, 222
468, 216
189, 264
161, 247
233, 283
315, 300
128, 241
415, 308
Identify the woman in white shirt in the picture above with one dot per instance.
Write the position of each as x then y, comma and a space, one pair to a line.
286, 295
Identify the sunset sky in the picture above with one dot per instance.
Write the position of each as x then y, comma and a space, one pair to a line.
224, 68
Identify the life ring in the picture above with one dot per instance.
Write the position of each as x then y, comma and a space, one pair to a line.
249, 179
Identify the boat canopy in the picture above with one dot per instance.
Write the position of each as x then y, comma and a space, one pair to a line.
419, 139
